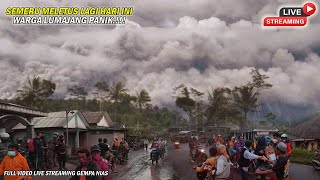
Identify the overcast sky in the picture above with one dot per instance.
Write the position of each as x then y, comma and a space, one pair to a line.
201, 43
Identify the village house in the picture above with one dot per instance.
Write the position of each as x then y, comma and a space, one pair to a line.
57, 122
306, 135
84, 129
101, 126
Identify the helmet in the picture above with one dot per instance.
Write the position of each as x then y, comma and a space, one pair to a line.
284, 136
95, 148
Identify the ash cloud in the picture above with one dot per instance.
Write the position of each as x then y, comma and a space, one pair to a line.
201, 43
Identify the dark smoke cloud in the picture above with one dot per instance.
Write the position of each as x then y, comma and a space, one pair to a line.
201, 43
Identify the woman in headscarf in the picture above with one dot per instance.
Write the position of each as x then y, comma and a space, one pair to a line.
223, 165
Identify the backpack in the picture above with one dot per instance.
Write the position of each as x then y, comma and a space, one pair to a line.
30, 145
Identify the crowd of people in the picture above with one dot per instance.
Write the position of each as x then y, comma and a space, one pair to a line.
39, 154
263, 157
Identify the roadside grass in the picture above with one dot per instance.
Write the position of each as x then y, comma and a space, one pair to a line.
301, 156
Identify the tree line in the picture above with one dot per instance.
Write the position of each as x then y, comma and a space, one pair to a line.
223, 104
134, 110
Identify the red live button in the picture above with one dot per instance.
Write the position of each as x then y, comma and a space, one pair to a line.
285, 21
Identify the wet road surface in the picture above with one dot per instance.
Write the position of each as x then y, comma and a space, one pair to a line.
139, 167
177, 165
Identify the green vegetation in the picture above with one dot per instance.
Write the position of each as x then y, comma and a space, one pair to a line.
223, 104
302, 156
135, 111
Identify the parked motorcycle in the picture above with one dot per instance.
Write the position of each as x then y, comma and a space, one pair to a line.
176, 145
316, 160
155, 155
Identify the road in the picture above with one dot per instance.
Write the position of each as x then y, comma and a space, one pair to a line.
177, 166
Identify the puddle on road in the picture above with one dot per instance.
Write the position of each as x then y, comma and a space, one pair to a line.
156, 172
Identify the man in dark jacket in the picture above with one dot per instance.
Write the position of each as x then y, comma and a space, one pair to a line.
86, 164
61, 153
39, 144
103, 147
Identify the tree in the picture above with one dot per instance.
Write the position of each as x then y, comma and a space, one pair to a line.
245, 98
259, 83
218, 104
142, 99
184, 101
78, 93
102, 92
35, 92
117, 92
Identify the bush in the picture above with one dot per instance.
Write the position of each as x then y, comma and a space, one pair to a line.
302, 156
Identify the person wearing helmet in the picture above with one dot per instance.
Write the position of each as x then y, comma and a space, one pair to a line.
284, 138
281, 166
4, 145
245, 157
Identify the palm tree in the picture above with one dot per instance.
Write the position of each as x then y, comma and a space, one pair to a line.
218, 103
35, 91
116, 92
142, 99
245, 98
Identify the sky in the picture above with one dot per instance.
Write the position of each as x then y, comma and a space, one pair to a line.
201, 43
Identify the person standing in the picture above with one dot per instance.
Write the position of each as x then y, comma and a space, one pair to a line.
223, 165
61, 153
284, 138
85, 165
103, 147
245, 157
55, 141
281, 166
146, 144
14, 161
39, 145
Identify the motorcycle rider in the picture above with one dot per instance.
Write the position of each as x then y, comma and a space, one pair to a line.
210, 163
156, 146
284, 138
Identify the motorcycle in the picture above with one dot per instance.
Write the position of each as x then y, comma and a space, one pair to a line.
316, 160
121, 157
200, 156
176, 145
155, 155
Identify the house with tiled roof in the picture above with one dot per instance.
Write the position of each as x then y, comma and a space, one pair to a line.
306, 134
101, 126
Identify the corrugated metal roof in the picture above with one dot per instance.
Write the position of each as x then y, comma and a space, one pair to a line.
54, 119
95, 117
